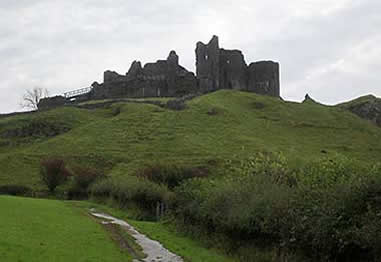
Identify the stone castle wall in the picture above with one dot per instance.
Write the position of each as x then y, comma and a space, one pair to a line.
216, 68
226, 69
165, 78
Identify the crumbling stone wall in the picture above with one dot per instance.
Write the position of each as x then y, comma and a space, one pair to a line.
226, 69
216, 68
51, 102
160, 79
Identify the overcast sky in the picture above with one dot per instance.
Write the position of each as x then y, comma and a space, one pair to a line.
330, 49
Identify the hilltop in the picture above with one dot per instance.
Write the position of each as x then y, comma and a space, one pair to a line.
368, 107
121, 137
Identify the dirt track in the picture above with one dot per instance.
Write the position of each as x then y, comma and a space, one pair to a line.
154, 250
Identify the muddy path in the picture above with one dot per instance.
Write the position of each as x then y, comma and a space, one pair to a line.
153, 249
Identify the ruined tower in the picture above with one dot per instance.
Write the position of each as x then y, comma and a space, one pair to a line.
208, 65
263, 78
219, 68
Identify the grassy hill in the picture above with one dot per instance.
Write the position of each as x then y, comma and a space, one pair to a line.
214, 128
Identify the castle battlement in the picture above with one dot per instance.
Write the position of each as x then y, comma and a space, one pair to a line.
216, 68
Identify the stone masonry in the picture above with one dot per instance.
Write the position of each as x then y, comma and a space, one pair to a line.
216, 68
165, 78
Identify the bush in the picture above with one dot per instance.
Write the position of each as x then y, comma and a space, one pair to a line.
53, 172
131, 189
171, 175
330, 209
83, 177
102, 188
14, 190
271, 165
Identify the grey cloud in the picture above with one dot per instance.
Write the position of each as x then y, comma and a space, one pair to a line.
67, 44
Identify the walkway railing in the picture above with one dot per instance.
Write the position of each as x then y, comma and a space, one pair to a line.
78, 92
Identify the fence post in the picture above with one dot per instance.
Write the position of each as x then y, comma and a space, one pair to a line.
157, 210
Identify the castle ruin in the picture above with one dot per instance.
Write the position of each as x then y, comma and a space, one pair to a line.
219, 68
216, 68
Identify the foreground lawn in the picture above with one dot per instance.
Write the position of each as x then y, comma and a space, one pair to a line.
49, 230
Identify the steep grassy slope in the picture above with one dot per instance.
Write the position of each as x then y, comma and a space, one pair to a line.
225, 125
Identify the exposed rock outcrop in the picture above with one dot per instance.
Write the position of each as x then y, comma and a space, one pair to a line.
367, 107
308, 99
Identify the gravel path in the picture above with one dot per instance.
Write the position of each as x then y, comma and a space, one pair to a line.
154, 250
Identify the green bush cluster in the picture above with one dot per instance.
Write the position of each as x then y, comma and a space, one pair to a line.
15, 190
132, 189
330, 209
171, 175
55, 172
83, 177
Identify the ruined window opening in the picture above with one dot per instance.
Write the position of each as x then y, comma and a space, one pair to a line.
228, 62
206, 57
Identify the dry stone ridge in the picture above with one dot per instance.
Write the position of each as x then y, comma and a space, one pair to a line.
216, 68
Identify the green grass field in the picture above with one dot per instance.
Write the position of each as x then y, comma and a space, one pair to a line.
49, 230
222, 126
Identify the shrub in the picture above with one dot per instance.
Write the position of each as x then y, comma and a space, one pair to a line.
271, 165
83, 177
102, 188
332, 171
53, 172
146, 194
14, 190
171, 175
330, 209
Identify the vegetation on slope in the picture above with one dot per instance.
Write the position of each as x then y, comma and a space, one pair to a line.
326, 211
214, 128
221, 182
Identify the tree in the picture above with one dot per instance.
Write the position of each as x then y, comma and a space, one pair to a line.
32, 97
53, 172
